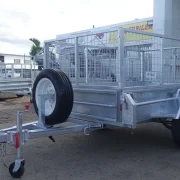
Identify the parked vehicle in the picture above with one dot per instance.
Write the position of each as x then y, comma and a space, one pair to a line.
9, 74
106, 77
17, 78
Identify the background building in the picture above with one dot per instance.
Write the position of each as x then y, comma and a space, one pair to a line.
15, 58
15, 65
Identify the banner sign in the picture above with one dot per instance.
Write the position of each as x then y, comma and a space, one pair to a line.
141, 26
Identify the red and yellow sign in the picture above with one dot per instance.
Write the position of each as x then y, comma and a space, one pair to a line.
141, 26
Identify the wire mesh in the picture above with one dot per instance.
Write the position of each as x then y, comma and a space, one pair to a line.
62, 56
18, 71
96, 58
148, 59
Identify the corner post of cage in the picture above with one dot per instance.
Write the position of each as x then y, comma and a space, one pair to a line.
142, 57
34, 69
12, 70
46, 55
31, 76
162, 61
76, 62
86, 61
5, 71
121, 32
174, 64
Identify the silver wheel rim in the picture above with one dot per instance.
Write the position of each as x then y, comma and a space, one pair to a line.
45, 86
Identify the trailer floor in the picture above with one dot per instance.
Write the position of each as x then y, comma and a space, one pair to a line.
149, 154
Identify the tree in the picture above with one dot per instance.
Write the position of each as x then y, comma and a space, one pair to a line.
35, 50
36, 47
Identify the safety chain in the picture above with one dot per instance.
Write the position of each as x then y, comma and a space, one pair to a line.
3, 149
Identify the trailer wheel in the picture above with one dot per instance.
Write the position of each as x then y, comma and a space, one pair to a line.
19, 95
18, 173
176, 131
51, 81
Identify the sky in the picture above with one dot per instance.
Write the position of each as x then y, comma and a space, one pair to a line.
44, 19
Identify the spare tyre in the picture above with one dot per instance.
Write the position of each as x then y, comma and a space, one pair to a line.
176, 131
58, 108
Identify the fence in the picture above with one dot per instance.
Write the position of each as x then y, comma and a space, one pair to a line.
116, 56
18, 71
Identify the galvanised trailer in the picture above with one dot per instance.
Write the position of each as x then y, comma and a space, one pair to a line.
98, 78
17, 78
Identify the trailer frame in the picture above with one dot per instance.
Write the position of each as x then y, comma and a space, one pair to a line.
20, 134
125, 81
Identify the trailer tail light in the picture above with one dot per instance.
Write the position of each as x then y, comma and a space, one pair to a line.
26, 106
16, 140
121, 107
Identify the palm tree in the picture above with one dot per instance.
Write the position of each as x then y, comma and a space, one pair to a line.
35, 50
36, 47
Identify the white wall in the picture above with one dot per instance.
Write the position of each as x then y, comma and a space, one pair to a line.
166, 19
176, 19
158, 16
10, 58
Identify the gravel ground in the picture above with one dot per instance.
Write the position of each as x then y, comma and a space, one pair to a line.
148, 154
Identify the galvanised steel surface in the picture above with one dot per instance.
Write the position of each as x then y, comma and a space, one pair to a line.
17, 78
108, 67
120, 77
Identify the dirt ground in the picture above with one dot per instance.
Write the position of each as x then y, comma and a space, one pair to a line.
148, 154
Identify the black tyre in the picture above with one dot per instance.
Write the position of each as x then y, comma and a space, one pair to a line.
17, 174
19, 95
176, 131
60, 85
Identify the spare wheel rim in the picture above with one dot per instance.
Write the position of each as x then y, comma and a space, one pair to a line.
45, 86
